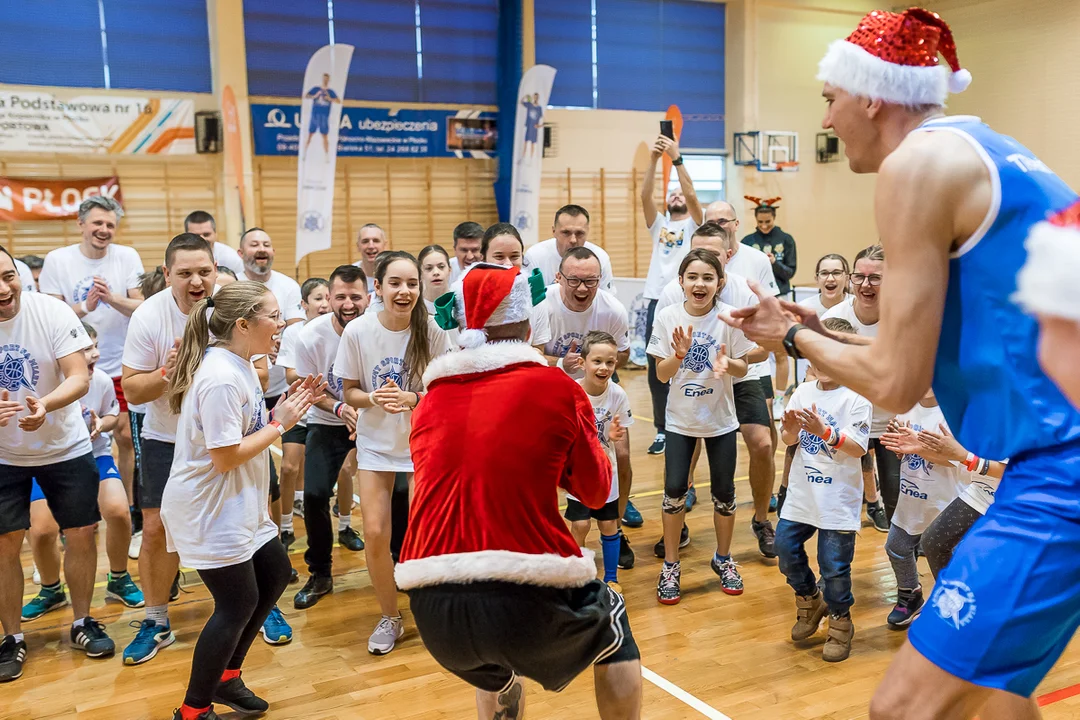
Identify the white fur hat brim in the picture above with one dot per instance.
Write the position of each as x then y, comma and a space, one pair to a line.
1047, 284
854, 70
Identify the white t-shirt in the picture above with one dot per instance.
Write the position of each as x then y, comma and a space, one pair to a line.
737, 294
372, 355
26, 276
980, 492
155, 327
455, 270
825, 487
612, 403
926, 488
44, 330
315, 352
814, 303
753, 264
227, 256
70, 274
671, 242
287, 292
556, 327
699, 405
211, 519
545, 255
101, 398
846, 311
286, 357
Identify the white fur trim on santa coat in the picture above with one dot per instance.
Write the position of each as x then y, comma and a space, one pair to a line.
487, 357
548, 570
1047, 285
850, 68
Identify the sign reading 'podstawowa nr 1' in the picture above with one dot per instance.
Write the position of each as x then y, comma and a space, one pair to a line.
23, 199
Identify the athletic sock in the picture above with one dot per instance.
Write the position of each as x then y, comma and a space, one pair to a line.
719, 559
79, 622
55, 587
114, 575
189, 713
298, 495
286, 522
344, 522
159, 614
18, 637
669, 565
610, 544
229, 675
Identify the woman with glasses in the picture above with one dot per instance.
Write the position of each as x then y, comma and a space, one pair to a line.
863, 310
215, 505
832, 275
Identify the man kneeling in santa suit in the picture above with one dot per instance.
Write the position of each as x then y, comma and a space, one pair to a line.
497, 586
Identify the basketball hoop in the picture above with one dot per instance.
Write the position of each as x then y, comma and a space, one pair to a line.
788, 166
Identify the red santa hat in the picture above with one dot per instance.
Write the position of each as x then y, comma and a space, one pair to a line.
491, 295
894, 57
1047, 285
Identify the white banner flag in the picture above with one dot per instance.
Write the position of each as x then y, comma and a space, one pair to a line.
320, 116
533, 94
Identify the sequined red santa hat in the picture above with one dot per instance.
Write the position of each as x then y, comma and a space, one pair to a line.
894, 57
1046, 285
490, 295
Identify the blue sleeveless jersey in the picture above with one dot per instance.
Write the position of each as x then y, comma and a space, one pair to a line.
987, 378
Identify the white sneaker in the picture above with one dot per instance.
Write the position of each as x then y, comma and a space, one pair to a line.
298, 507
37, 576
778, 408
385, 636
135, 546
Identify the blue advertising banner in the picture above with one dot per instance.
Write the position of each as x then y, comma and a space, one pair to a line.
377, 132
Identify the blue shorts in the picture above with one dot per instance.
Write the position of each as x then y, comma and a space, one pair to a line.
1008, 603
106, 468
320, 121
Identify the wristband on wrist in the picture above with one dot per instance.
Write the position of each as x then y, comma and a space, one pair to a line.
338, 407
679, 357
829, 436
985, 468
164, 374
82, 306
840, 438
371, 398
972, 462
277, 426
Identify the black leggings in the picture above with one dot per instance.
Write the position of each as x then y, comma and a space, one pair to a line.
679, 453
888, 475
243, 596
657, 390
940, 539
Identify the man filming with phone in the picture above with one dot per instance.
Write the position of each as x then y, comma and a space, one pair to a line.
671, 233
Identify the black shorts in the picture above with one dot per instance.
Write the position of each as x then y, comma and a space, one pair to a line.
767, 387
70, 488
487, 633
297, 435
157, 460
576, 511
750, 407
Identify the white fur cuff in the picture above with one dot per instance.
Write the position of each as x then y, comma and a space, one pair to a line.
548, 570
1047, 284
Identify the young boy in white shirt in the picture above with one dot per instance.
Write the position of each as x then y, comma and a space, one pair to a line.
612, 408
831, 426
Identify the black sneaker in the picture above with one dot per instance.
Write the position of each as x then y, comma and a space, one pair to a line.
626, 553
90, 637
350, 539
909, 604
208, 715
12, 658
877, 516
295, 577
658, 444
174, 590
669, 584
730, 579
312, 592
684, 540
766, 537
237, 696
288, 537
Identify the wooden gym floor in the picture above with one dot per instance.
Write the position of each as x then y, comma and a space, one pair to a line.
711, 656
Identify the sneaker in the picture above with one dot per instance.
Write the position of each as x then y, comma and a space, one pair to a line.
37, 576
766, 537
877, 516
730, 580
12, 658
626, 554
684, 540
632, 517
385, 636
90, 637
335, 510
691, 498
772, 504
838, 644
313, 590
135, 546
208, 715
125, 590
668, 586
615, 586
237, 696
295, 577
298, 507
778, 407
909, 604
658, 444
146, 643
45, 601
275, 630
288, 537
809, 612
174, 590
350, 539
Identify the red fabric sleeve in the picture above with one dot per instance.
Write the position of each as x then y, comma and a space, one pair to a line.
588, 470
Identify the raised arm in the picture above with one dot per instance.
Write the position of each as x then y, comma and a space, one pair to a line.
693, 205
648, 186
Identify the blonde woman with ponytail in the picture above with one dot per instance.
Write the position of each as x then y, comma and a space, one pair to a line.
215, 505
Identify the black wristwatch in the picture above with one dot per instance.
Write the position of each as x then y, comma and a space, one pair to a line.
678, 162
789, 341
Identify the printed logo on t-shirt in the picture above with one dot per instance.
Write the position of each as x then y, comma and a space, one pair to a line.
670, 240
811, 443
334, 384
562, 345
387, 369
603, 418
18, 369
695, 390
699, 356
917, 463
907, 487
82, 289
817, 476
258, 418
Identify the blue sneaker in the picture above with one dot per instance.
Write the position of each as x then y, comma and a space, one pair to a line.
150, 638
691, 498
632, 518
45, 601
125, 590
275, 629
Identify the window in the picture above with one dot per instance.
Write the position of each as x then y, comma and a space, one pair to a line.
709, 175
